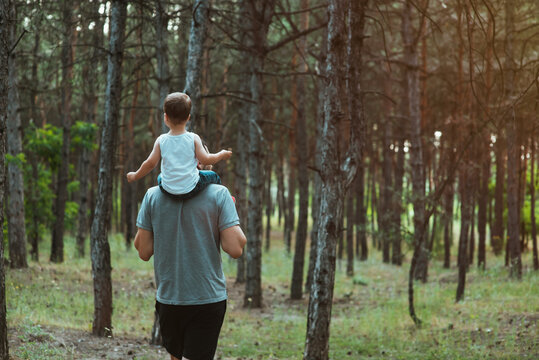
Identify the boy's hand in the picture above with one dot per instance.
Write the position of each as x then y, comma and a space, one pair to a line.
225, 154
131, 176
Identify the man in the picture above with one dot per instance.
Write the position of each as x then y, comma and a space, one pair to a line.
185, 238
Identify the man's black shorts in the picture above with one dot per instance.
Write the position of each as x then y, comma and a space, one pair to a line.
191, 331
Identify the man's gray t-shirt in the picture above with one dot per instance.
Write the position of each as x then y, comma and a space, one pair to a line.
187, 257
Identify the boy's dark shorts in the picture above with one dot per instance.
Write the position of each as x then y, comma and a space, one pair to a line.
191, 331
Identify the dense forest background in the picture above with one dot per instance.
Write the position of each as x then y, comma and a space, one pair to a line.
408, 128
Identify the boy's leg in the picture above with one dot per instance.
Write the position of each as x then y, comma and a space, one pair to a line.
208, 177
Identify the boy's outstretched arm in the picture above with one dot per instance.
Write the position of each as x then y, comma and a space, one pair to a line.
148, 165
205, 157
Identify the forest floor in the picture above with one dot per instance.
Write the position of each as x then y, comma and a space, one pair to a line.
50, 309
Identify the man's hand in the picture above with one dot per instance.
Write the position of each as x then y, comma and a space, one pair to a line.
131, 176
225, 154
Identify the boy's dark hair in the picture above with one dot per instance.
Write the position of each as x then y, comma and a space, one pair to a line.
177, 106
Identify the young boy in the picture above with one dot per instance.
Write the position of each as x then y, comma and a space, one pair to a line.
179, 151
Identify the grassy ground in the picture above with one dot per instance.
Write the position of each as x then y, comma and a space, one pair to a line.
50, 309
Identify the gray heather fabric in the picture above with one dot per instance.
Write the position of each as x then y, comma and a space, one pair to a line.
187, 257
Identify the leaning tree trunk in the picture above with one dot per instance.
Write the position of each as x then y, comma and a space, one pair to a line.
336, 177
101, 267
302, 150
193, 80
7, 20
260, 14
57, 237
15, 190
513, 153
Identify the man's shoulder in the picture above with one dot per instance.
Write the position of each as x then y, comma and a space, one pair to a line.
152, 193
216, 190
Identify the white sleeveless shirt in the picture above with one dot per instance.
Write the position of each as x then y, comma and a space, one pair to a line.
179, 172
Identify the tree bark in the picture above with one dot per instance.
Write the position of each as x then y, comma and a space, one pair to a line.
161, 54
497, 238
101, 266
416, 153
33, 228
361, 215
7, 21
482, 209
57, 237
193, 80
302, 150
532, 202
260, 14
336, 177
90, 100
466, 188
15, 190
317, 181
513, 153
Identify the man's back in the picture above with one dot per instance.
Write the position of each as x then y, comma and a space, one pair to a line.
187, 259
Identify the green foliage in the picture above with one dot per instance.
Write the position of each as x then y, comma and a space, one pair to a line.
83, 135
46, 143
19, 159
38, 199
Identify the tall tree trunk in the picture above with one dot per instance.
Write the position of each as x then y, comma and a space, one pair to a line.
292, 163
385, 215
260, 14
101, 267
350, 236
497, 238
15, 189
361, 214
418, 267
161, 54
513, 153
193, 80
240, 179
466, 214
396, 251
33, 228
317, 181
7, 20
336, 177
57, 238
302, 150
90, 100
532, 202
482, 209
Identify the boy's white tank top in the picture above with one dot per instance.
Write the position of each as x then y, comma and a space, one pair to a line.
179, 172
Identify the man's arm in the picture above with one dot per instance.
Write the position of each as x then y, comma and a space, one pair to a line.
207, 158
148, 165
144, 244
233, 240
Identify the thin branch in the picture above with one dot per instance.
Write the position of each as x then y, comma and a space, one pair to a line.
294, 37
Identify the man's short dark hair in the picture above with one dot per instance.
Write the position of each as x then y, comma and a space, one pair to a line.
177, 106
